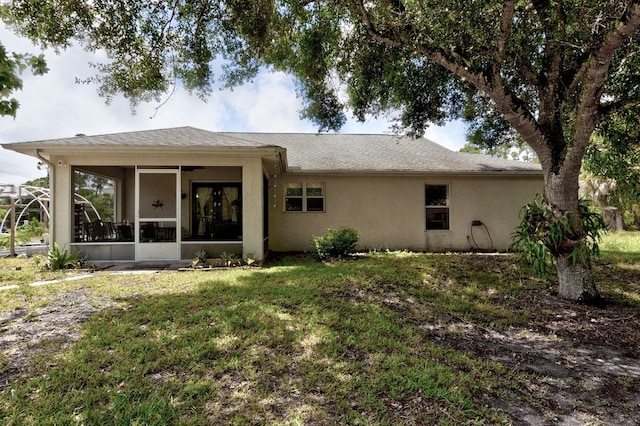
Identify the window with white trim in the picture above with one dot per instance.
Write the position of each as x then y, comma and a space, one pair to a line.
437, 207
304, 197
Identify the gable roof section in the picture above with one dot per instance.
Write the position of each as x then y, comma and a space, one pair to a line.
174, 137
307, 152
379, 153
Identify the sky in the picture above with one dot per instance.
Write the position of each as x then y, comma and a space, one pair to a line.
55, 106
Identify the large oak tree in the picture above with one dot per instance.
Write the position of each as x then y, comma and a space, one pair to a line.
550, 70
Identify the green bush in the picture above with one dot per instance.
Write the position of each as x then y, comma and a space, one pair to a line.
24, 233
230, 258
23, 236
200, 259
57, 259
27, 231
336, 243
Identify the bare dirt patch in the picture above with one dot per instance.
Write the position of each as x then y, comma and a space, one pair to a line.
585, 360
574, 382
44, 331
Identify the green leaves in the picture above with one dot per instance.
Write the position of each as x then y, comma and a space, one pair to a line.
336, 243
546, 233
421, 61
11, 66
62, 259
613, 156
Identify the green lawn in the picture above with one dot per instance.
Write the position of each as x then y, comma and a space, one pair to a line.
621, 246
375, 340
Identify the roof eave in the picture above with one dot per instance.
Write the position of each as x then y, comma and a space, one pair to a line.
294, 170
57, 150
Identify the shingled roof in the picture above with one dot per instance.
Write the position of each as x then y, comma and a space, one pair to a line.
306, 152
173, 137
378, 153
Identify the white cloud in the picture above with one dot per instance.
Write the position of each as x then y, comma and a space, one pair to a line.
269, 104
54, 106
451, 136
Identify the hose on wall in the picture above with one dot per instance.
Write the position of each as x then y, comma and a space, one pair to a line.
472, 238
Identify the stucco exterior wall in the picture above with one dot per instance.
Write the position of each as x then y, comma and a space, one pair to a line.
389, 211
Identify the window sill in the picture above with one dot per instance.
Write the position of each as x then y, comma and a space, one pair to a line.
299, 212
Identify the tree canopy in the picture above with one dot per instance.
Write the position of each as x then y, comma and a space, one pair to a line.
612, 160
550, 71
11, 66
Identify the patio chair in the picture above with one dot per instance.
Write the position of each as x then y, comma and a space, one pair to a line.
109, 231
148, 232
124, 232
97, 231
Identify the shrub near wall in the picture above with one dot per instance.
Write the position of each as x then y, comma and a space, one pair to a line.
336, 243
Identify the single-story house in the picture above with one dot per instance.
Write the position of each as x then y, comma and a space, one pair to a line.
182, 190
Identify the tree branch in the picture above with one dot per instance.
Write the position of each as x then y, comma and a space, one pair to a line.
506, 102
528, 74
506, 26
610, 38
542, 10
617, 106
506, 23
596, 73
549, 87
373, 32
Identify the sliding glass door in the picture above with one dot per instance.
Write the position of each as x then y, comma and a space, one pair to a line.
216, 211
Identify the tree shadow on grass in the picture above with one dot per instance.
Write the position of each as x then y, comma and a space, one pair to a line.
403, 340
580, 363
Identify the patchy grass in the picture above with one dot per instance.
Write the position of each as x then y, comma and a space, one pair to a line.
19, 271
385, 339
622, 247
620, 263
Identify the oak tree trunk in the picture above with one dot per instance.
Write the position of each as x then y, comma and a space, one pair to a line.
575, 281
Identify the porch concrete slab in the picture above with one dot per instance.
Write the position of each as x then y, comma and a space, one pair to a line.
155, 266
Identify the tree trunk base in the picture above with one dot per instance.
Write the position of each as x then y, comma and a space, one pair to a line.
576, 282
613, 218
